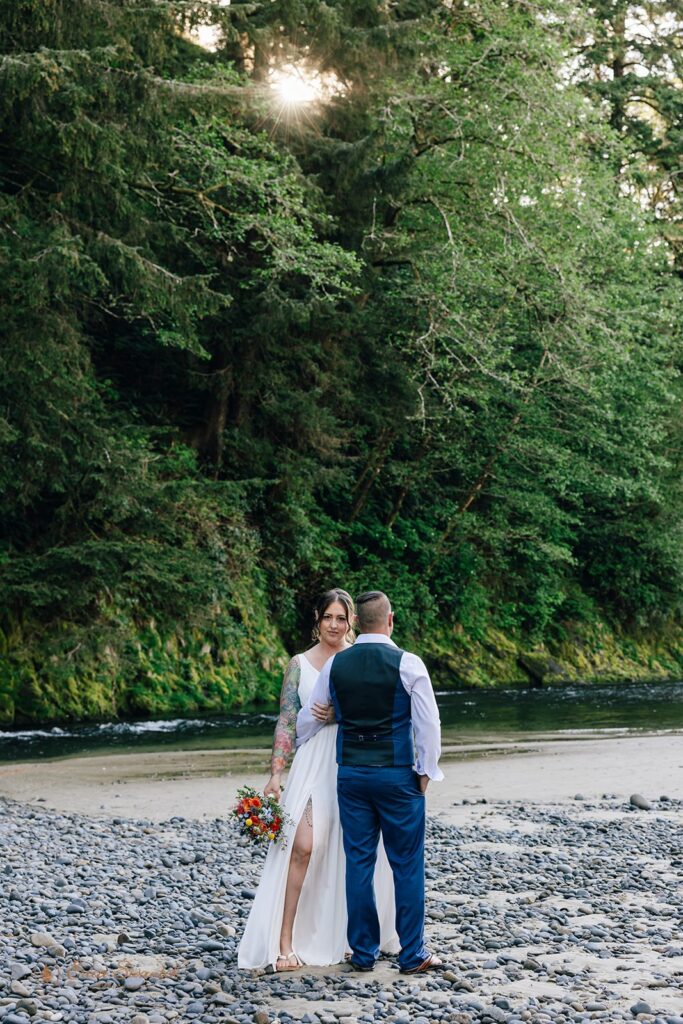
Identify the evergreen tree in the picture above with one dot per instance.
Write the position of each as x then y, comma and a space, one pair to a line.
631, 62
144, 221
421, 336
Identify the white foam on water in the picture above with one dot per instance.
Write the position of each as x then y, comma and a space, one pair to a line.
158, 725
592, 728
30, 734
119, 729
624, 729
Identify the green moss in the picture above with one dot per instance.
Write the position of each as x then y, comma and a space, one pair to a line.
128, 668
587, 653
456, 660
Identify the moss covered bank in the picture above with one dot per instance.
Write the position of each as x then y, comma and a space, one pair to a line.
595, 653
119, 669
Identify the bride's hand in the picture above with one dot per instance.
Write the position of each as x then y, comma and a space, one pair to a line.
324, 713
273, 787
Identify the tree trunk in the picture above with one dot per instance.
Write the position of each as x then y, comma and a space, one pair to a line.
486, 472
410, 480
209, 437
618, 67
373, 467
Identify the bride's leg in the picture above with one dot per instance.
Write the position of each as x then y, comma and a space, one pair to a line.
298, 866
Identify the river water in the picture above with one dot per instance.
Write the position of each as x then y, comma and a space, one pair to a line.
564, 711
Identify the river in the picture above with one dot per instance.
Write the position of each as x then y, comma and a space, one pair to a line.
563, 711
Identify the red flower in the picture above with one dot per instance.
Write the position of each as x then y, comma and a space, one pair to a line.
246, 809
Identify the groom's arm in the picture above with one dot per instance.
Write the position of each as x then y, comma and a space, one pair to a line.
424, 714
306, 725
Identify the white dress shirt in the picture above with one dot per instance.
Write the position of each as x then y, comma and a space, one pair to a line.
424, 713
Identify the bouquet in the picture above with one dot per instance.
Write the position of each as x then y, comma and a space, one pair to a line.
260, 818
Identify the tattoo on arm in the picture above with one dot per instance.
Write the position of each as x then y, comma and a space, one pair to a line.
285, 730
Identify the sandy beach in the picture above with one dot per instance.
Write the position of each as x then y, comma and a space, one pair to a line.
552, 900
200, 784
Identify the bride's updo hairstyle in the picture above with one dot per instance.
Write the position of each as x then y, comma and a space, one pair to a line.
324, 602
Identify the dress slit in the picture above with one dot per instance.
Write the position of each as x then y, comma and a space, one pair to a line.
305, 913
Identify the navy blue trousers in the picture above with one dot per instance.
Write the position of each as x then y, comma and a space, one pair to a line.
386, 800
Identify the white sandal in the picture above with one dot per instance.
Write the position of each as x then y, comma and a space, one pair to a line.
286, 957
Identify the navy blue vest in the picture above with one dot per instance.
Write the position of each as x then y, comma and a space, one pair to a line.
372, 706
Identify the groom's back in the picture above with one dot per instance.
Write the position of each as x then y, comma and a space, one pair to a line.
372, 706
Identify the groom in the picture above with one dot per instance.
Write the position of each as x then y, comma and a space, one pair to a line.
382, 696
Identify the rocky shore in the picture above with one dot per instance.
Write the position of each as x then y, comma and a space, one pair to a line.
551, 913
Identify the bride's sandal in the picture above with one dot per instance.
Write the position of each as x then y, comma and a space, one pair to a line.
282, 962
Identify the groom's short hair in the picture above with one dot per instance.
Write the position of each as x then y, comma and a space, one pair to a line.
372, 609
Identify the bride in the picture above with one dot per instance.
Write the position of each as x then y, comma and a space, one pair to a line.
299, 913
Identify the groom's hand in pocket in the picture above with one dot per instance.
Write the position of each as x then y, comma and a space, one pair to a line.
424, 782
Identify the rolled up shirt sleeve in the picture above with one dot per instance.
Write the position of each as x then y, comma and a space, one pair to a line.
424, 714
306, 725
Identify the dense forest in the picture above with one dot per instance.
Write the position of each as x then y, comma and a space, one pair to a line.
417, 328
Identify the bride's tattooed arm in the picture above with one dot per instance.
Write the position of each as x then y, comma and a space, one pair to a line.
285, 730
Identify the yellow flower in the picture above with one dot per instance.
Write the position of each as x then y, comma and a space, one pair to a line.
271, 835
248, 822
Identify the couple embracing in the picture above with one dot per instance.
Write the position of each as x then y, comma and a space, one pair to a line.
350, 881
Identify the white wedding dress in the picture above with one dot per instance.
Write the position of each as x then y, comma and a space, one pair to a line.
319, 935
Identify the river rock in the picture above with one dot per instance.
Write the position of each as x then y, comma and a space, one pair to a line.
133, 983
525, 897
542, 669
28, 1006
636, 800
221, 998
46, 941
496, 1014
